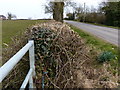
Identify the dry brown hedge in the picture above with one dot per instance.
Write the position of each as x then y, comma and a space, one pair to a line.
74, 61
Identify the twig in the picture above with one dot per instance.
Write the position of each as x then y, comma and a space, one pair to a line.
52, 82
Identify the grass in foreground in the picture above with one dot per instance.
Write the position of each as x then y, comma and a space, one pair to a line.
100, 45
11, 28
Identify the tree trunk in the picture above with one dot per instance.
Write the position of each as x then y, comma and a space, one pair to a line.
58, 11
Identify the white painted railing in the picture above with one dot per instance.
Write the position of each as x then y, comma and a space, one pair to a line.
9, 65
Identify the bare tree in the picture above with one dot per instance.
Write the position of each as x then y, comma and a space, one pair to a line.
49, 7
10, 16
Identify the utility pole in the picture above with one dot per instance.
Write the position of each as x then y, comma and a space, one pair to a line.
84, 13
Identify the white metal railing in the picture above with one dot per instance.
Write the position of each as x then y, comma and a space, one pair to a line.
9, 65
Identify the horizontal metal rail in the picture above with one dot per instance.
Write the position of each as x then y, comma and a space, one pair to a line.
9, 65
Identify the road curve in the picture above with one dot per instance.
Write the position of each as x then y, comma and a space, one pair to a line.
108, 34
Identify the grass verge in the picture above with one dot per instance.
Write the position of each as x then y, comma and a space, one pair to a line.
93, 40
100, 45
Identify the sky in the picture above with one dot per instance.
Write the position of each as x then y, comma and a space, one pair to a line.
34, 9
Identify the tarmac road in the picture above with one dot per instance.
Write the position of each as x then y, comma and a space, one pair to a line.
108, 34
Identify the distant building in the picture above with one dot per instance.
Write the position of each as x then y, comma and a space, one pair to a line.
2, 17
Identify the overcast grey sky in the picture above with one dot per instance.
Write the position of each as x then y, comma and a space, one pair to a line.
33, 8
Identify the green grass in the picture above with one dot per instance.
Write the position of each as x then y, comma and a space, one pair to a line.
93, 40
100, 45
0, 46
11, 28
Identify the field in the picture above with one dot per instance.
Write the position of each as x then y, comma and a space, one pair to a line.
11, 28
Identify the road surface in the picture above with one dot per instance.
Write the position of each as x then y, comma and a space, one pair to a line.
108, 34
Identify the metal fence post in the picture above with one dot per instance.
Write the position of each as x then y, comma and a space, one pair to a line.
32, 64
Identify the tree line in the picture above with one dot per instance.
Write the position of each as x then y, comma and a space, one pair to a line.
108, 13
